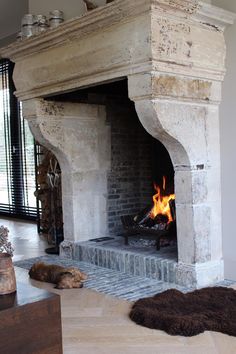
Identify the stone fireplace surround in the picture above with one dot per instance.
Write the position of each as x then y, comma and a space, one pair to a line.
172, 52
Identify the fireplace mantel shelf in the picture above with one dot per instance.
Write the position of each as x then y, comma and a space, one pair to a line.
108, 15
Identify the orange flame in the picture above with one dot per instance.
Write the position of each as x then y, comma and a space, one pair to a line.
161, 202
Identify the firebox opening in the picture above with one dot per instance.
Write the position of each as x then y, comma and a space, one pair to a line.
141, 171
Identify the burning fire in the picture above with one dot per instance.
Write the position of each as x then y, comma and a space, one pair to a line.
161, 202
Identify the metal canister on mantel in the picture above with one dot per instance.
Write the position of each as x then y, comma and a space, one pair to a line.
42, 23
56, 17
28, 25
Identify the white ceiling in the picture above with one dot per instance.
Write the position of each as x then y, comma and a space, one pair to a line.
11, 12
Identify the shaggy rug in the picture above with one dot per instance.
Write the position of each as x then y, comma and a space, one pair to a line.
208, 309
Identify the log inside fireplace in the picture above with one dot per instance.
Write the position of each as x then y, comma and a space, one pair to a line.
159, 228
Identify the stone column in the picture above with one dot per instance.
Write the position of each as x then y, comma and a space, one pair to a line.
80, 139
182, 113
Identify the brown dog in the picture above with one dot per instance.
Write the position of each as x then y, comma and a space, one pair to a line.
64, 278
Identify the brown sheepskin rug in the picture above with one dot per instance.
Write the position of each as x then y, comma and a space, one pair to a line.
208, 309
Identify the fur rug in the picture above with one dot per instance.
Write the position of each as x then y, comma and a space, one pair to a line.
208, 309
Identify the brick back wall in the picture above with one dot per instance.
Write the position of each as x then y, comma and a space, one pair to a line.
145, 142
130, 178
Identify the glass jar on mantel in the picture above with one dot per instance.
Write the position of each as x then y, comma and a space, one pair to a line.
42, 24
28, 25
56, 17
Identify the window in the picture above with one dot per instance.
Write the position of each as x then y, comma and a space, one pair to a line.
17, 152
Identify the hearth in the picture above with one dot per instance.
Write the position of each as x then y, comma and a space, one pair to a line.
171, 53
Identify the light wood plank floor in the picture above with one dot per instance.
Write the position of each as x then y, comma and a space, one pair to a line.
94, 323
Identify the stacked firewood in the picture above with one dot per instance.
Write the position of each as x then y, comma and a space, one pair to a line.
49, 216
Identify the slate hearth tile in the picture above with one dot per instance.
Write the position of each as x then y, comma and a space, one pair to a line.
122, 262
127, 264
141, 266
81, 248
113, 260
77, 252
148, 267
117, 262
165, 270
92, 255
86, 254
131, 264
158, 269
171, 275
100, 257
81, 252
136, 265
108, 258
153, 268
104, 259
96, 256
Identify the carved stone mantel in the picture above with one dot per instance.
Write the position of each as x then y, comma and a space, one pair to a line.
126, 37
173, 54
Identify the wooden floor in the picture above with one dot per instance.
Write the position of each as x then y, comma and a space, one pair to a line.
25, 239
94, 323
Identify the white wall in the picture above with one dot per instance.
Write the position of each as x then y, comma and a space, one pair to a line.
228, 146
71, 8
11, 12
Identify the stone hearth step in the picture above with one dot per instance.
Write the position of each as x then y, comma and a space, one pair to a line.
107, 281
146, 262
111, 282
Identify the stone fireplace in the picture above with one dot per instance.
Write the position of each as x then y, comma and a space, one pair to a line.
171, 53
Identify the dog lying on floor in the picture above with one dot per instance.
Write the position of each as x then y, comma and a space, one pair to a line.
64, 278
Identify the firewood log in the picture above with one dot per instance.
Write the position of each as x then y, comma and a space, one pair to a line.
161, 219
142, 217
172, 209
